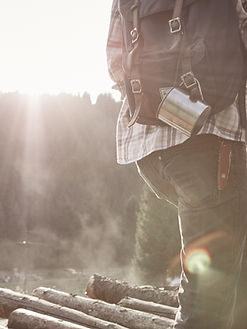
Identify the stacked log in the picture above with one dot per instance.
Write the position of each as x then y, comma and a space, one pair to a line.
10, 301
24, 319
52, 309
149, 307
130, 318
112, 291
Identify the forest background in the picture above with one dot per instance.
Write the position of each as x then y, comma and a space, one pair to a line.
65, 204
67, 210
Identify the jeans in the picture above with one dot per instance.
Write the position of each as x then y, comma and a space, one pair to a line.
212, 224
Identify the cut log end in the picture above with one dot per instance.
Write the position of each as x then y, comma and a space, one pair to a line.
90, 288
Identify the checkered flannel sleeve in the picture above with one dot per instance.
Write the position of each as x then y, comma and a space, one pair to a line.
114, 49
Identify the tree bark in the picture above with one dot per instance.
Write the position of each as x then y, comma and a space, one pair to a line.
112, 291
113, 313
150, 307
25, 319
10, 301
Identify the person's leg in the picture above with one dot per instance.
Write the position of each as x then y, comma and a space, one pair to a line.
212, 225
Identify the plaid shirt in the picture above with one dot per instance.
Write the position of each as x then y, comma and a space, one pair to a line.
138, 141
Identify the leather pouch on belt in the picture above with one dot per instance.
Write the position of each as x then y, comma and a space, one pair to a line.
224, 164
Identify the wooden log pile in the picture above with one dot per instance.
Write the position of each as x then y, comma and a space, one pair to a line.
51, 309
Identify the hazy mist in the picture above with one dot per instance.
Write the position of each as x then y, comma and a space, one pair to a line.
65, 203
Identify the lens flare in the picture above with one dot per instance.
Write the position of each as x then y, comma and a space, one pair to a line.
197, 261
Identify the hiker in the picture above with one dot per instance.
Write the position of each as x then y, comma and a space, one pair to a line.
201, 171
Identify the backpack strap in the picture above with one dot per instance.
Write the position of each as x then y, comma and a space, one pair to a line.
175, 23
133, 63
133, 58
188, 80
242, 98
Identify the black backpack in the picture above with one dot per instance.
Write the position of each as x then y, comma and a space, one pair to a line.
191, 44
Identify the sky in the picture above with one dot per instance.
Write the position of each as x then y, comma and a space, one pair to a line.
53, 46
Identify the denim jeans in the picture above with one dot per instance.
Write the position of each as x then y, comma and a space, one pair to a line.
212, 224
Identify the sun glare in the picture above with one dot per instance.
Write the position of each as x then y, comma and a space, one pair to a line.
197, 261
54, 46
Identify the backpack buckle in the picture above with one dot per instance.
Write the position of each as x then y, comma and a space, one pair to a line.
191, 83
175, 25
134, 35
188, 80
136, 86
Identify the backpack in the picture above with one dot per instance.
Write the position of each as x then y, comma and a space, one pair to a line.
242, 14
190, 44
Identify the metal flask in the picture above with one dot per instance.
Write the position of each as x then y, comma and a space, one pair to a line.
180, 112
